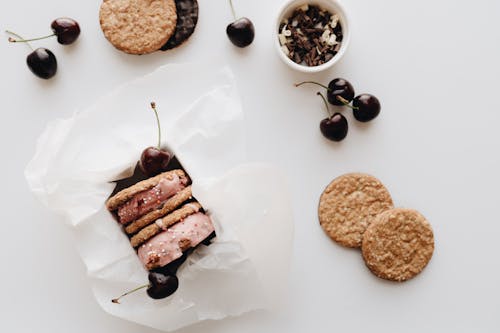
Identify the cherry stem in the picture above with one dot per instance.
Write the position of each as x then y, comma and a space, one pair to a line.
304, 82
232, 9
12, 40
153, 106
345, 102
326, 104
22, 40
117, 300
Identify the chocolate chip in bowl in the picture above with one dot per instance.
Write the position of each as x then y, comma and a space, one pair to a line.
311, 36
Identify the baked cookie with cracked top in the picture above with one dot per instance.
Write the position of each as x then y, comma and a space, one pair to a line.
138, 26
398, 244
349, 204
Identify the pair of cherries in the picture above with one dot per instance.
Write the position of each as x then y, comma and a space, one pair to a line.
162, 283
340, 92
42, 62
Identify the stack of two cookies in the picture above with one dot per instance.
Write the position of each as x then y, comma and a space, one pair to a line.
356, 210
146, 26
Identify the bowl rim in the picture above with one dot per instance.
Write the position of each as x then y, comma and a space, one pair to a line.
343, 18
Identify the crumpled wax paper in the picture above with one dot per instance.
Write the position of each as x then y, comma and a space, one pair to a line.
76, 159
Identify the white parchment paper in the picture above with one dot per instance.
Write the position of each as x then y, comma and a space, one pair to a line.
246, 267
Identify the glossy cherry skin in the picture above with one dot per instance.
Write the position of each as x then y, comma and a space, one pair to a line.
339, 87
161, 285
66, 29
154, 161
43, 63
366, 107
334, 128
241, 32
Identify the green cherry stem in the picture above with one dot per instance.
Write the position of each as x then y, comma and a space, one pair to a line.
117, 300
312, 82
22, 40
12, 40
346, 102
326, 104
232, 9
153, 106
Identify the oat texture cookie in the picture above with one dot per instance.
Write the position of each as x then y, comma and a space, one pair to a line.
349, 204
138, 26
124, 195
398, 244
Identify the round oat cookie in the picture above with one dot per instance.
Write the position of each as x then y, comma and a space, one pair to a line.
138, 26
187, 18
349, 204
398, 244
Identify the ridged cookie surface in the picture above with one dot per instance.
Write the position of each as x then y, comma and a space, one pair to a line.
398, 244
138, 26
348, 205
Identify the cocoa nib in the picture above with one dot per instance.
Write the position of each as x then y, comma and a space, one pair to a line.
311, 36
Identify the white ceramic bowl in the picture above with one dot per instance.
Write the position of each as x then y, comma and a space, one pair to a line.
334, 7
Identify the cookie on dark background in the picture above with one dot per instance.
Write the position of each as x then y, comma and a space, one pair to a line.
187, 18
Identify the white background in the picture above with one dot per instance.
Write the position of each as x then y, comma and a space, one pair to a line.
434, 66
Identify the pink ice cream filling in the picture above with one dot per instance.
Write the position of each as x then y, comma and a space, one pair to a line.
169, 245
147, 201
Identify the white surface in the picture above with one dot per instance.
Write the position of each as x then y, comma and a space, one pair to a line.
434, 66
71, 173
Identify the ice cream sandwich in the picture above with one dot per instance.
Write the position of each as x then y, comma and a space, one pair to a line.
147, 196
161, 217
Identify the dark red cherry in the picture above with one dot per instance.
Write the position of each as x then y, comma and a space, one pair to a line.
334, 128
66, 29
154, 161
161, 286
43, 63
365, 107
340, 91
241, 32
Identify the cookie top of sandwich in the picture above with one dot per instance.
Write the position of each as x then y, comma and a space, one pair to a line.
138, 26
125, 195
